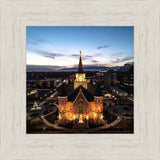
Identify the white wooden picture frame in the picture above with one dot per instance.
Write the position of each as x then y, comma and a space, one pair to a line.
15, 144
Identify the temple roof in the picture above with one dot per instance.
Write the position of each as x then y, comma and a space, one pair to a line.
72, 96
80, 67
62, 91
98, 91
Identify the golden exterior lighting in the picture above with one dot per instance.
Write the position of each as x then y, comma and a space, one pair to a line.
80, 108
80, 80
81, 118
95, 115
80, 105
32, 92
87, 117
80, 76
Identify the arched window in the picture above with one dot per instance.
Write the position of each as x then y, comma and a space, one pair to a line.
70, 117
99, 108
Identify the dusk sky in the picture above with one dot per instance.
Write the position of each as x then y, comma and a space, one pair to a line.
60, 46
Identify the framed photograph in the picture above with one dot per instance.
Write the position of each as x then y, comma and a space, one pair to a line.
91, 92
79, 80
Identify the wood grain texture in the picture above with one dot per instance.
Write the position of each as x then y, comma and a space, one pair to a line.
15, 15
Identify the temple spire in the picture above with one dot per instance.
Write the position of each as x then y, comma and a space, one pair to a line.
80, 67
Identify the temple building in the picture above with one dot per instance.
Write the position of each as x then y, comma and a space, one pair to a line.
80, 76
80, 105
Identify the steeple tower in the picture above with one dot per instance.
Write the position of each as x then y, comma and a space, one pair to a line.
80, 67
80, 76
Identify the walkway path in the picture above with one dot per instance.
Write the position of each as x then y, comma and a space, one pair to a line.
48, 98
108, 125
130, 98
55, 126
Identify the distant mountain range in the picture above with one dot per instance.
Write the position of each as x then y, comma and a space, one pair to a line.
126, 67
91, 68
41, 68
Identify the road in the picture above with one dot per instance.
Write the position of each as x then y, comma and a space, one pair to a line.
131, 99
55, 126
41, 104
108, 125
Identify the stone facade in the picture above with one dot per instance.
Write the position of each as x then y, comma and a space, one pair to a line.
80, 80
81, 109
80, 105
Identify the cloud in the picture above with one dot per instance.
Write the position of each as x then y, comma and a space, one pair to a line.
88, 56
35, 39
100, 47
75, 55
97, 54
118, 60
95, 61
124, 54
48, 54
84, 56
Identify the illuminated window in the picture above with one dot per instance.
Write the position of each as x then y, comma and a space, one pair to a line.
70, 116
80, 78
80, 109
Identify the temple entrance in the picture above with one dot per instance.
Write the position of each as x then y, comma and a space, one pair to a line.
81, 124
80, 118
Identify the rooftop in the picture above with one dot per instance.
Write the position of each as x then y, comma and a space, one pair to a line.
72, 96
80, 67
116, 88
